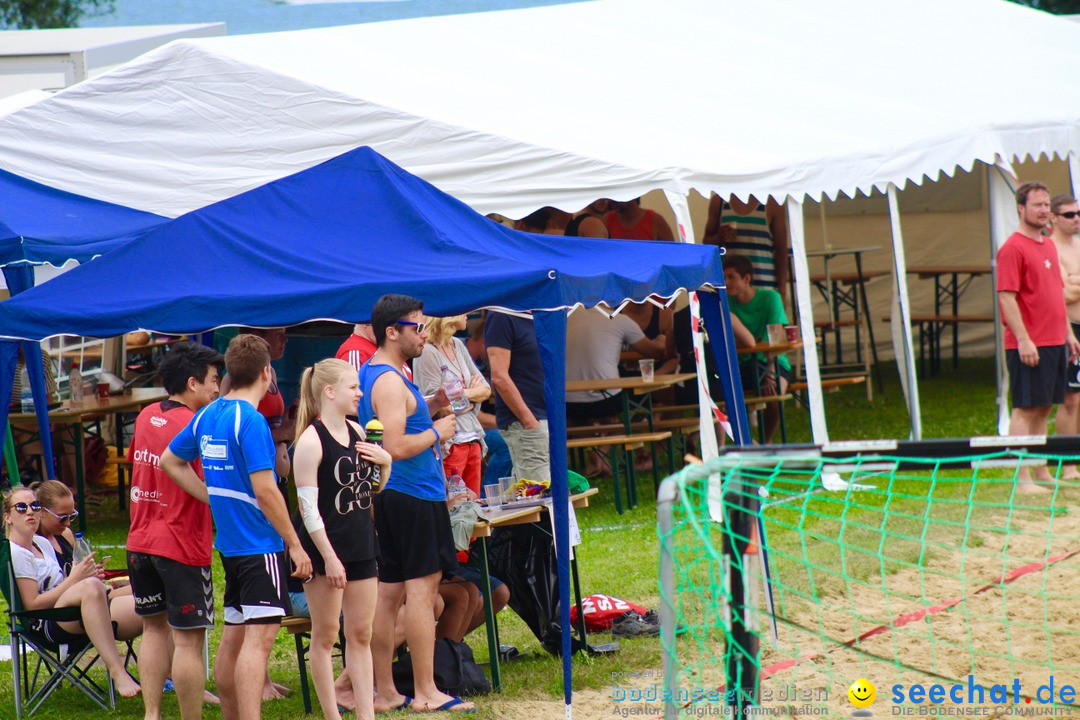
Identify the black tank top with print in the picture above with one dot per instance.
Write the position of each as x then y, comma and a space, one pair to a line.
345, 495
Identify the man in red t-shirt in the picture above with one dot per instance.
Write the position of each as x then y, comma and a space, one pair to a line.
1038, 336
168, 547
360, 346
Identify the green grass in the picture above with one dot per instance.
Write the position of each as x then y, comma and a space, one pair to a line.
620, 552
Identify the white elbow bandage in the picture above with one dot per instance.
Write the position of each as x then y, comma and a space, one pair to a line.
309, 507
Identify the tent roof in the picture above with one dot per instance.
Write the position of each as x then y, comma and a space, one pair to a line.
329, 241
512, 110
41, 225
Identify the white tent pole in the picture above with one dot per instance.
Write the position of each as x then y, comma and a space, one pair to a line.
1001, 192
905, 358
824, 225
818, 428
684, 232
1074, 173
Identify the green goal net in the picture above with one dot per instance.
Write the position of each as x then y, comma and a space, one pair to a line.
914, 574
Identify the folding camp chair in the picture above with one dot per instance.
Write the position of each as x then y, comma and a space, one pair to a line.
55, 663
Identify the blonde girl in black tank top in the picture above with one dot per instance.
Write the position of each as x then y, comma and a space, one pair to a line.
333, 469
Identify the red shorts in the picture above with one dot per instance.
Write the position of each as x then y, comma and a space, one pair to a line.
466, 460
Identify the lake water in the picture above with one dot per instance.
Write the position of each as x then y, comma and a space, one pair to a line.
253, 16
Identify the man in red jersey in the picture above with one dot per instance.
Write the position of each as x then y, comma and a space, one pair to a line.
168, 548
1038, 336
360, 346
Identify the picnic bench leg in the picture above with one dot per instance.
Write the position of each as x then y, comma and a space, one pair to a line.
631, 469
80, 473
577, 600
869, 321
301, 660
613, 453
956, 326
489, 619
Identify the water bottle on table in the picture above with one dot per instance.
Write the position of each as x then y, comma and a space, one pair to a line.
26, 398
455, 390
455, 487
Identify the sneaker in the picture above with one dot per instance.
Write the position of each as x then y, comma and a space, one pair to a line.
652, 617
508, 652
632, 625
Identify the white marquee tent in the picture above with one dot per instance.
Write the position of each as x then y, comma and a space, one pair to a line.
558, 105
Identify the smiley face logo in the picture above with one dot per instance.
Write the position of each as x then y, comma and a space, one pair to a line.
862, 694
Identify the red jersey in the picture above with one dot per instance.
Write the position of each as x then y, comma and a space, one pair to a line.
165, 520
1030, 269
642, 230
357, 350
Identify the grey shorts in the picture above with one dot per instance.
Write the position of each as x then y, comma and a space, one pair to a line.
529, 450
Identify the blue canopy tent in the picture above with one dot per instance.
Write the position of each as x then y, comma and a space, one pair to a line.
40, 225
327, 242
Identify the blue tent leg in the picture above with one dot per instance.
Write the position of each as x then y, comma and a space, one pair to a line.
551, 339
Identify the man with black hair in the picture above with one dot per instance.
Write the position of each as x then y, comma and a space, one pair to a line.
253, 527
168, 547
415, 542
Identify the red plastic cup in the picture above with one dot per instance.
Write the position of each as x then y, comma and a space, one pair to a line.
792, 333
103, 390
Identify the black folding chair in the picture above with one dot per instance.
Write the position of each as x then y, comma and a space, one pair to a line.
55, 662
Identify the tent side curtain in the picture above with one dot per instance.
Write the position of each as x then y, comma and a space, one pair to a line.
717, 317
20, 278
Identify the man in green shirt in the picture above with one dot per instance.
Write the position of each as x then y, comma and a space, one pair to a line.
757, 308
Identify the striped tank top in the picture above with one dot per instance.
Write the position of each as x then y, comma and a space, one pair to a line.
754, 241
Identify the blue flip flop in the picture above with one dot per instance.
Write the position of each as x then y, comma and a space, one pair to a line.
449, 706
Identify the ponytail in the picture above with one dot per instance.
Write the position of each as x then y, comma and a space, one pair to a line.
312, 383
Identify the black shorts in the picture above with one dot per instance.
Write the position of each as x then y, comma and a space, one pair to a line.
52, 631
160, 585
255, 592
747, 370
607, 407
1039, 386
355, 570
1072, 370
414, 537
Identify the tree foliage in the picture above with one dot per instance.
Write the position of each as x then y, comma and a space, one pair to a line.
1058, 7
27, 14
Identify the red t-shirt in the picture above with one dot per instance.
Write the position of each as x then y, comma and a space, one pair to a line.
1030, 269
357, 350
642, 230
165, 520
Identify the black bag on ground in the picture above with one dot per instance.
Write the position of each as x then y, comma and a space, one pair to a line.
456, 672
523, 557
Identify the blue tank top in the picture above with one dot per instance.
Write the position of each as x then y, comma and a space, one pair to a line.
421, 475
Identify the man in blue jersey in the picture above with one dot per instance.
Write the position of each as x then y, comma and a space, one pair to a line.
238, 455
415, 543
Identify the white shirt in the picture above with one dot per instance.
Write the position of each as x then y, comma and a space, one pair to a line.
46, 570
593, 344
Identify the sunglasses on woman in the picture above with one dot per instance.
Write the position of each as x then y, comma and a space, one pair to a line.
22, 508
65, 518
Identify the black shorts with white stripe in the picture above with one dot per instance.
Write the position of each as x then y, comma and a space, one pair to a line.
255, 591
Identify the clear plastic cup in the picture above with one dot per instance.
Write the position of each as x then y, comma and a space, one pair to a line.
505, 488
494, 496
647, 367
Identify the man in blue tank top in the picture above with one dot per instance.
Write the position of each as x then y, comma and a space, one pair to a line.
253, 528
415, 543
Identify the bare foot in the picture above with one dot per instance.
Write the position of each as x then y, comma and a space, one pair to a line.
1070, 473
385, 703
210, 698
345, 699
126, 686
436, 701
1030, 488
271, 692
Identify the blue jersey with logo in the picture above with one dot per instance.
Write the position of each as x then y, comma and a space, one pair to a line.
233, 441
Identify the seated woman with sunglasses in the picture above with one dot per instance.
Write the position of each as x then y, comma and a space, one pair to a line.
42, 585
57, 515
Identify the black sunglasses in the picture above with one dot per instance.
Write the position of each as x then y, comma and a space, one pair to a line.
66, 518
22, 508
1071, 214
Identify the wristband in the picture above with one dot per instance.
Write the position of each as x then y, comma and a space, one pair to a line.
438, 438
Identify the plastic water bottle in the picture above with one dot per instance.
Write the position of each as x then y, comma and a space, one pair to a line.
82, 549
374, 431
75, 382
27, 397
455, 390
455, 487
